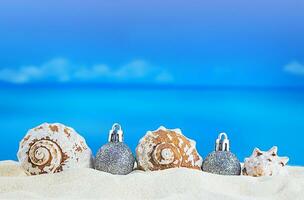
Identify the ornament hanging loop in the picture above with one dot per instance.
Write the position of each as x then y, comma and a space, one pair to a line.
222, 143
116, 133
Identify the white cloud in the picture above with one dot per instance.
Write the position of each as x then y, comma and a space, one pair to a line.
62, 70
134, 69
294, 68
164, 76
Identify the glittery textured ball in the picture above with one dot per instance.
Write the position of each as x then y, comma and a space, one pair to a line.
115, 158
222, 162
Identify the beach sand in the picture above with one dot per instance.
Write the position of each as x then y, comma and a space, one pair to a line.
167, 184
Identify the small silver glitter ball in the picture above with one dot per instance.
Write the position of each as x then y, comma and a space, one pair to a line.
115, 157
222, 161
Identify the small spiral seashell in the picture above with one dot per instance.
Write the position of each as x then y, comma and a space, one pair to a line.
265, 163
164, 148
51, 148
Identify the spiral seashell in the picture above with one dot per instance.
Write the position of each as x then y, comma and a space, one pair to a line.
51, 148
265, 163
164, 148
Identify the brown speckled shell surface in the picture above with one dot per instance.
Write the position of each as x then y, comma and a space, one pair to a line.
51, 148
165, 148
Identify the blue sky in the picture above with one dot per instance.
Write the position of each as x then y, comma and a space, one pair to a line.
243, 43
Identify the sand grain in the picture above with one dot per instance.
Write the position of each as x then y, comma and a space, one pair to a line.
168, 184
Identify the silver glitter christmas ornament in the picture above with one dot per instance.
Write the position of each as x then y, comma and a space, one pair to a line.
115, 157
222, 161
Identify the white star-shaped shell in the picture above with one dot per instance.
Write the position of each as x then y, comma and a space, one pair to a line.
265, 163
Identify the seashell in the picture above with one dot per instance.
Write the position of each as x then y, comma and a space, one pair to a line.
51, 148
165, 148
221, 161
265, 163
115, 157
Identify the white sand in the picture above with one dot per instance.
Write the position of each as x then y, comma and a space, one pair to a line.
11, 168
167, 184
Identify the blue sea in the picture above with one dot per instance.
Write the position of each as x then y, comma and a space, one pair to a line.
252, 117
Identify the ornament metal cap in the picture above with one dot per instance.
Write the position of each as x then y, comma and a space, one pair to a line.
222, 143
116, 133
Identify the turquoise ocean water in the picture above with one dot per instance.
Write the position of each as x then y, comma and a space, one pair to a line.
251, 117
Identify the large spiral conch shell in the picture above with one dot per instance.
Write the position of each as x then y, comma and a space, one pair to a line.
164, 148
51, 148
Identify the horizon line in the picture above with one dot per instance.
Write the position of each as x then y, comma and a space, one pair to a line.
150, 86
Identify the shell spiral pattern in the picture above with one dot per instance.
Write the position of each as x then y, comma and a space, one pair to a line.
164, 148
45, 152
51, 148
